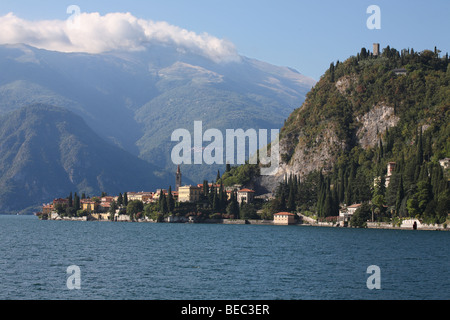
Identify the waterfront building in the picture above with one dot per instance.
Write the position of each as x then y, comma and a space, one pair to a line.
89, 205
349, 211
284, 218
189, 194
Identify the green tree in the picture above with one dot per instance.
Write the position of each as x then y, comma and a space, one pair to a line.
412, 206
112, 210
291, 199
152, 211
233, 206
218, 176
332, 72
443, 204
424, 195
76, 202
400, 197
205, 189
71, 212
361, 216
125, 199
170, 201
378, 199
215, 202
60, 209
134, 207
248, 211
70, 198
120, 200
163, 208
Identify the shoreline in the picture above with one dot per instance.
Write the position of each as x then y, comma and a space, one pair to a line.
173, 219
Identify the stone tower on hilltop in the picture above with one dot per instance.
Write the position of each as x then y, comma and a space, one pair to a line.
376, 49
178, 179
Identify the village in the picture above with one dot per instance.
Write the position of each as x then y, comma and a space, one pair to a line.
190, 204
187, 197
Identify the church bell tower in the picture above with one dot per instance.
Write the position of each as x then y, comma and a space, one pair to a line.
178, 178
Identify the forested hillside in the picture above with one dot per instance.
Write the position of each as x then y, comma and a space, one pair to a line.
364, 113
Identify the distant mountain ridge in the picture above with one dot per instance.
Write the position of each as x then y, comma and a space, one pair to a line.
137, 99
46, 152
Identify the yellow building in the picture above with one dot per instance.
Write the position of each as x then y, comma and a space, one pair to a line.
284, 218
189, 194
89, 205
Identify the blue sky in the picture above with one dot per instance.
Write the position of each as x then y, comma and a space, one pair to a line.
305, 35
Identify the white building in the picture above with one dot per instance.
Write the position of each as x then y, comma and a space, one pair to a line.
349, 211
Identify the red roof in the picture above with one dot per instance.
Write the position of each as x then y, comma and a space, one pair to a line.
284, 214
246, 190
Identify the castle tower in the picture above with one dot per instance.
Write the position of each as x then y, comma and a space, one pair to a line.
376, 49
178, 179
390, 170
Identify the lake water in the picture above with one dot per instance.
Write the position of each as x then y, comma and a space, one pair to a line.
136, 261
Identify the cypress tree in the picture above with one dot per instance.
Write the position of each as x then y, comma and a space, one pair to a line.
341, 187
420, 149
215, 203
125, 199
334, 202
222, 198
282, 198
327, 204
381, 151
76, 199
291, 200
332, 72
400, 196
212, 192
218, 176
233, 206
70, 200
205, 189
170, 201
163, 203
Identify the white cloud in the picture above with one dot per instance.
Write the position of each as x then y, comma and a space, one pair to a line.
93, 33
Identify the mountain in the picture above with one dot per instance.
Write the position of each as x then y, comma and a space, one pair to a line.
137, 99
47, 151
365, 115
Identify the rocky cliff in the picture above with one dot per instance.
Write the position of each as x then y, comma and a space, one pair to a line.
355, 104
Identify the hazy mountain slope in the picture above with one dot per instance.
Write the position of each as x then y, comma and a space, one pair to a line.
123, 95
46, 152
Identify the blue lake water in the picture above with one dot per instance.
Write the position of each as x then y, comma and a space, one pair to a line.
134, 261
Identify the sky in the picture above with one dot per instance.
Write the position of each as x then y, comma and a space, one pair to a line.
304, 35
